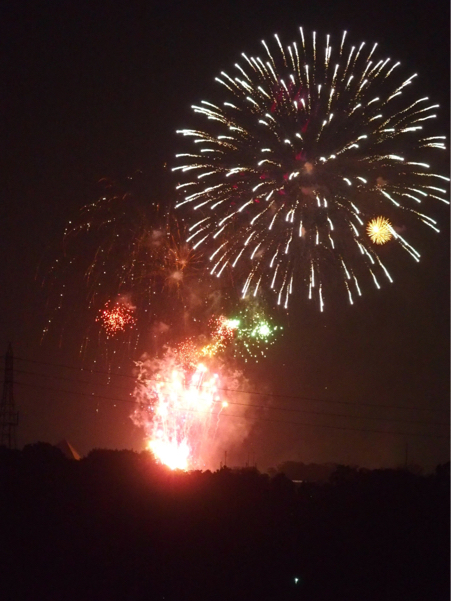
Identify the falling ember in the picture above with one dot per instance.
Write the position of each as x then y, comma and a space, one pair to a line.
114, 319
379, 230
187, 354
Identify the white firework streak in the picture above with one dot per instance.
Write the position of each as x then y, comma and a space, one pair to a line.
310, 138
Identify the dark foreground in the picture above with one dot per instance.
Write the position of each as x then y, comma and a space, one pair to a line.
115, 526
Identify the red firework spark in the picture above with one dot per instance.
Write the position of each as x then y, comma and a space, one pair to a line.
114, 319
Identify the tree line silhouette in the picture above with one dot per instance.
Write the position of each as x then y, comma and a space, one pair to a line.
118, 526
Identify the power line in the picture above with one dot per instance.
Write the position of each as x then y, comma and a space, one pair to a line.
344, 428
65, 379
255, 393
101, 397
347, 415
268, 407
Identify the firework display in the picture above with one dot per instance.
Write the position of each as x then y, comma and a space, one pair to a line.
305, 144
116, 317
256, 332
187, 354
312, 158
222, 333
177, 407
178, 399
379, 230
179, 404
138, 246
124, 248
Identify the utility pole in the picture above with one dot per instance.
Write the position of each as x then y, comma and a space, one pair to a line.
9, 417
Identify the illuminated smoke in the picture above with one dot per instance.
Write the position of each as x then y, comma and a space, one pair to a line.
184, 411
182, 395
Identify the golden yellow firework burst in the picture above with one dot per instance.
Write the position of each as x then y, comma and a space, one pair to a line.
379, 230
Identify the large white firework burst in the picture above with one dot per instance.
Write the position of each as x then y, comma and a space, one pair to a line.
308, 143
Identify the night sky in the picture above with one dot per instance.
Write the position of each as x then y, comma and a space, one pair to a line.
97, 89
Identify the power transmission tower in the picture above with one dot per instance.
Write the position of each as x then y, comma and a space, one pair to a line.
9, 417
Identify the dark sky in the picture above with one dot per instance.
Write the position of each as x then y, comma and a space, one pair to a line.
94, 89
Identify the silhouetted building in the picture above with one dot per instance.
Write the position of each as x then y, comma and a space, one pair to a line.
68, 450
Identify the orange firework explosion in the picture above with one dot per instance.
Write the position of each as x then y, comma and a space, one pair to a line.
379, 230
178, 401
114, 319
181, 398
222, 332
182, 410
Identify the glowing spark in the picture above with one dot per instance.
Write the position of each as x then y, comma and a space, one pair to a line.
115, 318
379, 230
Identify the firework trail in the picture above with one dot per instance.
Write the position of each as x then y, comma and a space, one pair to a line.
307, 144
